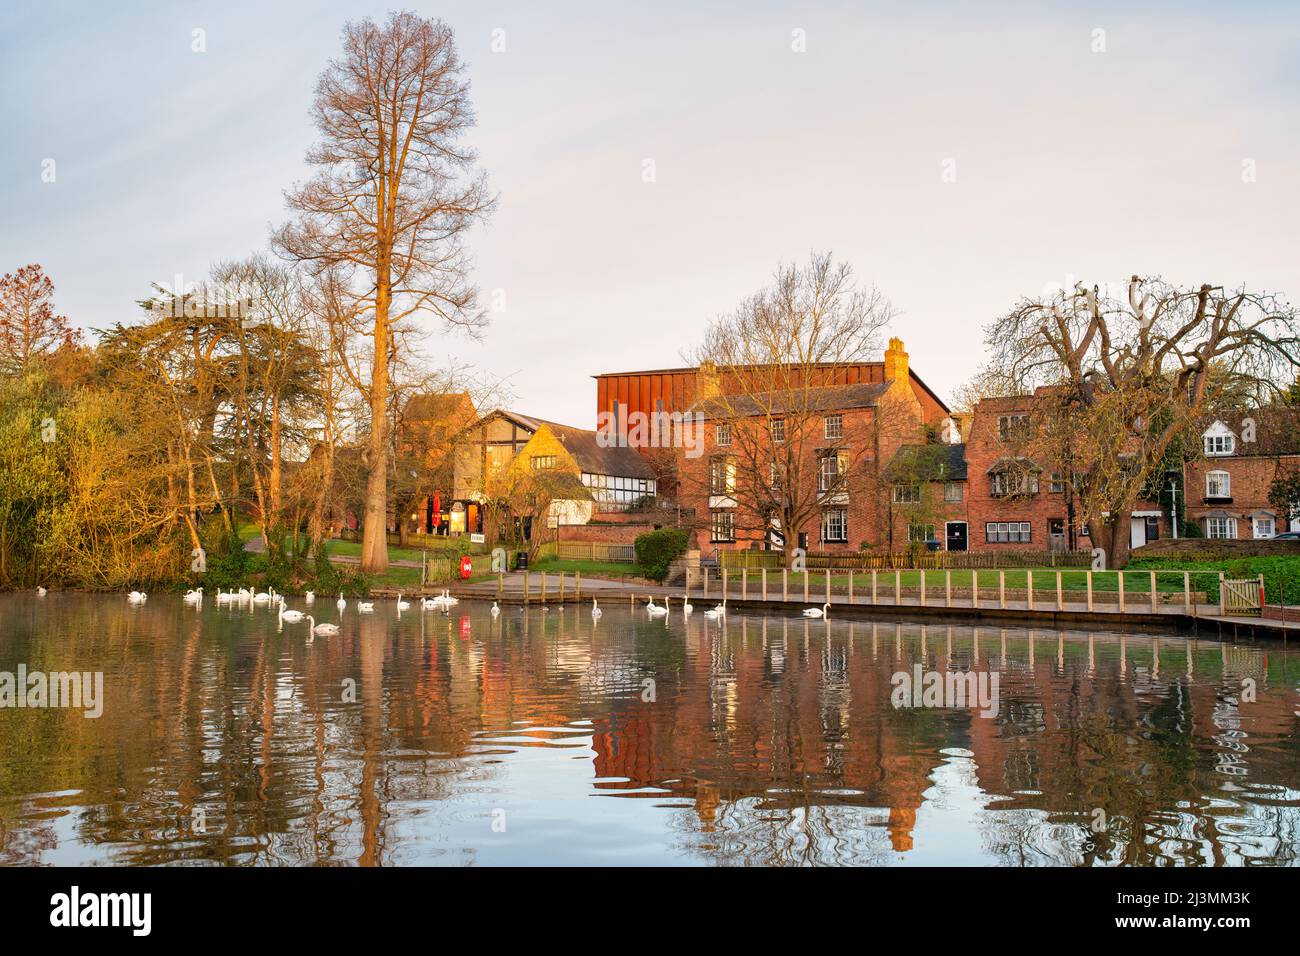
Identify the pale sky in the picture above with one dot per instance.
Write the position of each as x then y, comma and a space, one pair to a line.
1069, 163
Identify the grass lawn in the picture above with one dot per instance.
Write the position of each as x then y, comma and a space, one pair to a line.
595, 569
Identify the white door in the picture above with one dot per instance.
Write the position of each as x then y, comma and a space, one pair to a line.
1137, 532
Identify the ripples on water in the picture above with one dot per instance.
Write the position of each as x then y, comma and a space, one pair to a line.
538, 738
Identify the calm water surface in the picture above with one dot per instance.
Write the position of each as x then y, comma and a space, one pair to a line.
458, 739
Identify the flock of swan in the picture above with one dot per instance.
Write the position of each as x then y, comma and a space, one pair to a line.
441, 602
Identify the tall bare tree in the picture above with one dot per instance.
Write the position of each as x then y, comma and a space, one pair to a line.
1121, 378
775, 357
395, 192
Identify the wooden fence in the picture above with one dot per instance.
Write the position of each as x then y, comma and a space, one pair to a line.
909, 560
590, 551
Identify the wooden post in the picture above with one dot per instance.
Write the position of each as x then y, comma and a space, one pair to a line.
1090, 589
1261, 595
974, 588
744, 583
723, 572
763, 573
1223, 604
501, 582
706, 583
923, 587
1029, 590
543, 587
561, 587
874, 572
806, 575
898, 586
577, 586
850, 585
828, 585
1119, 576
947, 588
525, 587
1153, 592
1002, 588
1187, 591
1060, 603
785, 584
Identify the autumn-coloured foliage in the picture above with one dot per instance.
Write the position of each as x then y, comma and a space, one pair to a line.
29, 326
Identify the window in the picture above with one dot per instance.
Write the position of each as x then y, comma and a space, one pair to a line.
920, 533
775, 476
1013, 427
1220, 527
953, 491
834, 427
724, 526
1056, 483
1004, 532
616, 493
832, 470
722, 434
778, 430
1264, 526
1220, 444
722, 476
1013, 482
907, 494
543, 462
835, 526
1218, 484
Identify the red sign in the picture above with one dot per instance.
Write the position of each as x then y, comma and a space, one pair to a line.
466, 566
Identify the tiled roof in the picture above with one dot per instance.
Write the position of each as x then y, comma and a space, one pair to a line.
828, 398
596, 459
934, 462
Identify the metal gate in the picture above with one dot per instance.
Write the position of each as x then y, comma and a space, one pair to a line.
1243, 596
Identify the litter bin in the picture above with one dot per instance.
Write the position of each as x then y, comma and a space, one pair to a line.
521, 561
932, 545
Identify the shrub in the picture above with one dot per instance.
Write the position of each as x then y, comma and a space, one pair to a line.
655, 550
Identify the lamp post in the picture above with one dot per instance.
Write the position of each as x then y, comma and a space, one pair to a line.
1173, 501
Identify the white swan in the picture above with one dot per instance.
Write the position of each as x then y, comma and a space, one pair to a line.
225, 598
717, 612
322, 628
137, 597
340, 603
496, 609
40, 592
365, 607
687, 606
430, 604
310, 597
293, 617
823, 611
448, 600
655, 610
596, 612
402, 605
194, 596
261, 597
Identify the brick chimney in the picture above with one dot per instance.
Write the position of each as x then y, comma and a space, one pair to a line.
707, 382
896, 361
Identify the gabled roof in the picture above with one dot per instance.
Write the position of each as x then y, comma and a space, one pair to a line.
933, 462
1011, 463
1276, 430
438, 406
593, 457
827, 398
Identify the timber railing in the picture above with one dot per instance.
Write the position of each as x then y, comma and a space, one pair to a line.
908, 560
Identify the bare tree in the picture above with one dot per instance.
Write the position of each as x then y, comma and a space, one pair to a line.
29, 326
776, 358
1119, 380
394, 194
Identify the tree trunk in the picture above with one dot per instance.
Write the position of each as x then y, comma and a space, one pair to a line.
374, 538
1118, 550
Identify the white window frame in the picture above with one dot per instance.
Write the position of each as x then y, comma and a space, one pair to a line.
778, 431
914, 498
725, 520
722, 435
836, 433
1220, 528
842, 515
953, 492
1254, 526
1225, 486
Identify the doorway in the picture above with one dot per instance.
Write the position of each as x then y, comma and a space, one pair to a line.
955, 531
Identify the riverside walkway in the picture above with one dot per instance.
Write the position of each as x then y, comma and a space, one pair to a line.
863, 594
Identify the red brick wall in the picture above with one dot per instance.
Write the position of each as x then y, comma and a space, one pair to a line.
1250, 479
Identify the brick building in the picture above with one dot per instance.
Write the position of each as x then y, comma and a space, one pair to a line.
823, 446
1227, 490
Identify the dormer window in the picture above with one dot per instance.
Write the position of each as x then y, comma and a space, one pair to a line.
1219, 440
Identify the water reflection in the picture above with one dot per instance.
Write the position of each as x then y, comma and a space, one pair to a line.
544, 738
